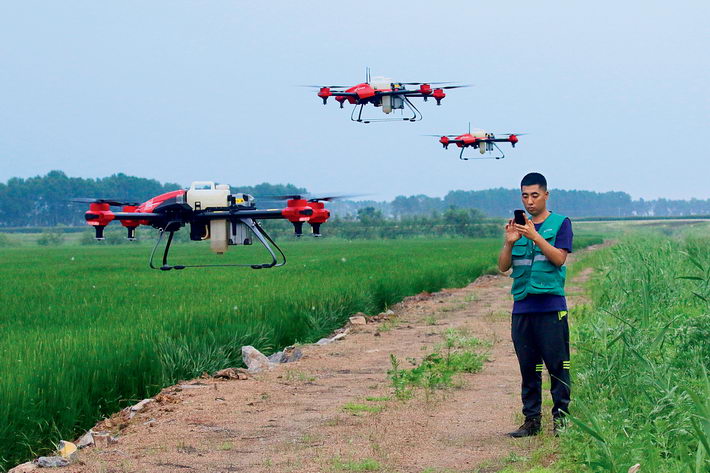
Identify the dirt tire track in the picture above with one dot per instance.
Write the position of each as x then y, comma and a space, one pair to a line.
292, 418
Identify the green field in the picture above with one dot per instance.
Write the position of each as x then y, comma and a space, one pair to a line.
642, 360
87, 330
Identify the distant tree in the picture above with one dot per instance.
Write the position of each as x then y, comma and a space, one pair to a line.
370, 216
415, 205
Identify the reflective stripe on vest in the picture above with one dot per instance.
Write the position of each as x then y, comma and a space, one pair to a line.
522, 262
528, 262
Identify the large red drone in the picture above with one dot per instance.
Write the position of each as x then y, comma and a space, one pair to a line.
213, 214
385, 93
479, 139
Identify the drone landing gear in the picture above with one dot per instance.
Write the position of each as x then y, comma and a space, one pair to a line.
255, 228
490, 150
416, 114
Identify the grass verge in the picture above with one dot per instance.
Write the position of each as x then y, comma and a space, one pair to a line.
641, 393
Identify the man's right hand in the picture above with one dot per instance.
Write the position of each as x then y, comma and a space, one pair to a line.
511, 234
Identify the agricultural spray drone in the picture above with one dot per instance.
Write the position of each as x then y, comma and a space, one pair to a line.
385, 93
213, 214
481, 140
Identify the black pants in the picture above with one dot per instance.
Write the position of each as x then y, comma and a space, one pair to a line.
537, 338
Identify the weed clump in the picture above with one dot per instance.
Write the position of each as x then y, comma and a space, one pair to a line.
456, 354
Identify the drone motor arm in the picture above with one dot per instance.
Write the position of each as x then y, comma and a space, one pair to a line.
100, 215
265, 214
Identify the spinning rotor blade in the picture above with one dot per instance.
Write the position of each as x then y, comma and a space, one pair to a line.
455, 86
439, 136
280, 197
516, 134
326, 86
420, 83
308, 197
89, 200
334, 197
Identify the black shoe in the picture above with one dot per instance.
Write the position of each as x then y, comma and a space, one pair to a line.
530, 427
559, 424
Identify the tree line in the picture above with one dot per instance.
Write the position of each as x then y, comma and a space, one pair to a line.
44, 201
501, 202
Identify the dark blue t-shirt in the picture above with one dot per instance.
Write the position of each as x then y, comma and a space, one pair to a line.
548, 302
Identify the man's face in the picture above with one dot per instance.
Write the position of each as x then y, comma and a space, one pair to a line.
534, 199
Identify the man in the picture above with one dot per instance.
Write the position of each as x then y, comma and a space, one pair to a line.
537, 251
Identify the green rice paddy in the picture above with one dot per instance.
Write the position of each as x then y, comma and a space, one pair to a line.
85, 330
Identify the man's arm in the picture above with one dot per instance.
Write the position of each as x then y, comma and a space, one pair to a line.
505, 258
556, 256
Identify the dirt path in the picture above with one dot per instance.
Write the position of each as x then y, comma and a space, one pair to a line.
292, 418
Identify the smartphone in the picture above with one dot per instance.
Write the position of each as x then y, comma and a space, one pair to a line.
519, 217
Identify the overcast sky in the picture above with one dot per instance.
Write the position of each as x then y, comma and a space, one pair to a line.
615, 95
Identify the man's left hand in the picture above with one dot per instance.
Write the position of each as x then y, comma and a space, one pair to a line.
528, 231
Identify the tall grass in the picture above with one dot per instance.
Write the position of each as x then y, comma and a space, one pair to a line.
85, 331
641, 392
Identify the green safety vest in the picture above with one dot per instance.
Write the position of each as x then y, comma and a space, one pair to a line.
532, 272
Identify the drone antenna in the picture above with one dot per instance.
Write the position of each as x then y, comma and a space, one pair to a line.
469, 128
367, 75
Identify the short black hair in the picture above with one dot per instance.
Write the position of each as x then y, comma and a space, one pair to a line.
534, 178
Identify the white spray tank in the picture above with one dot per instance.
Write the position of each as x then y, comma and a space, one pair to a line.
203, 195
483, 147
383, 83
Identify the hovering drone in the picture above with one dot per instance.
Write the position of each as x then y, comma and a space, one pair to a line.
385, 93
213, 213
479, 139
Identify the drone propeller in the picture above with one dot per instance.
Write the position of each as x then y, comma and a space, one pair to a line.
308, 198
326, 86
439, 136
516, 134
455, 86
279, 197
89, 200
331, 198
420, 83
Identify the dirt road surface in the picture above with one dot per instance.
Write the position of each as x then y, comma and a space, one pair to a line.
292, 419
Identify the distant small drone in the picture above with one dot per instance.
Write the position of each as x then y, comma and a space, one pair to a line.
213, 214
479, 139
385, 93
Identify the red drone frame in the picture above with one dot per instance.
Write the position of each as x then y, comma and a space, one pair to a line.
385, 93
478, 139
213, 214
